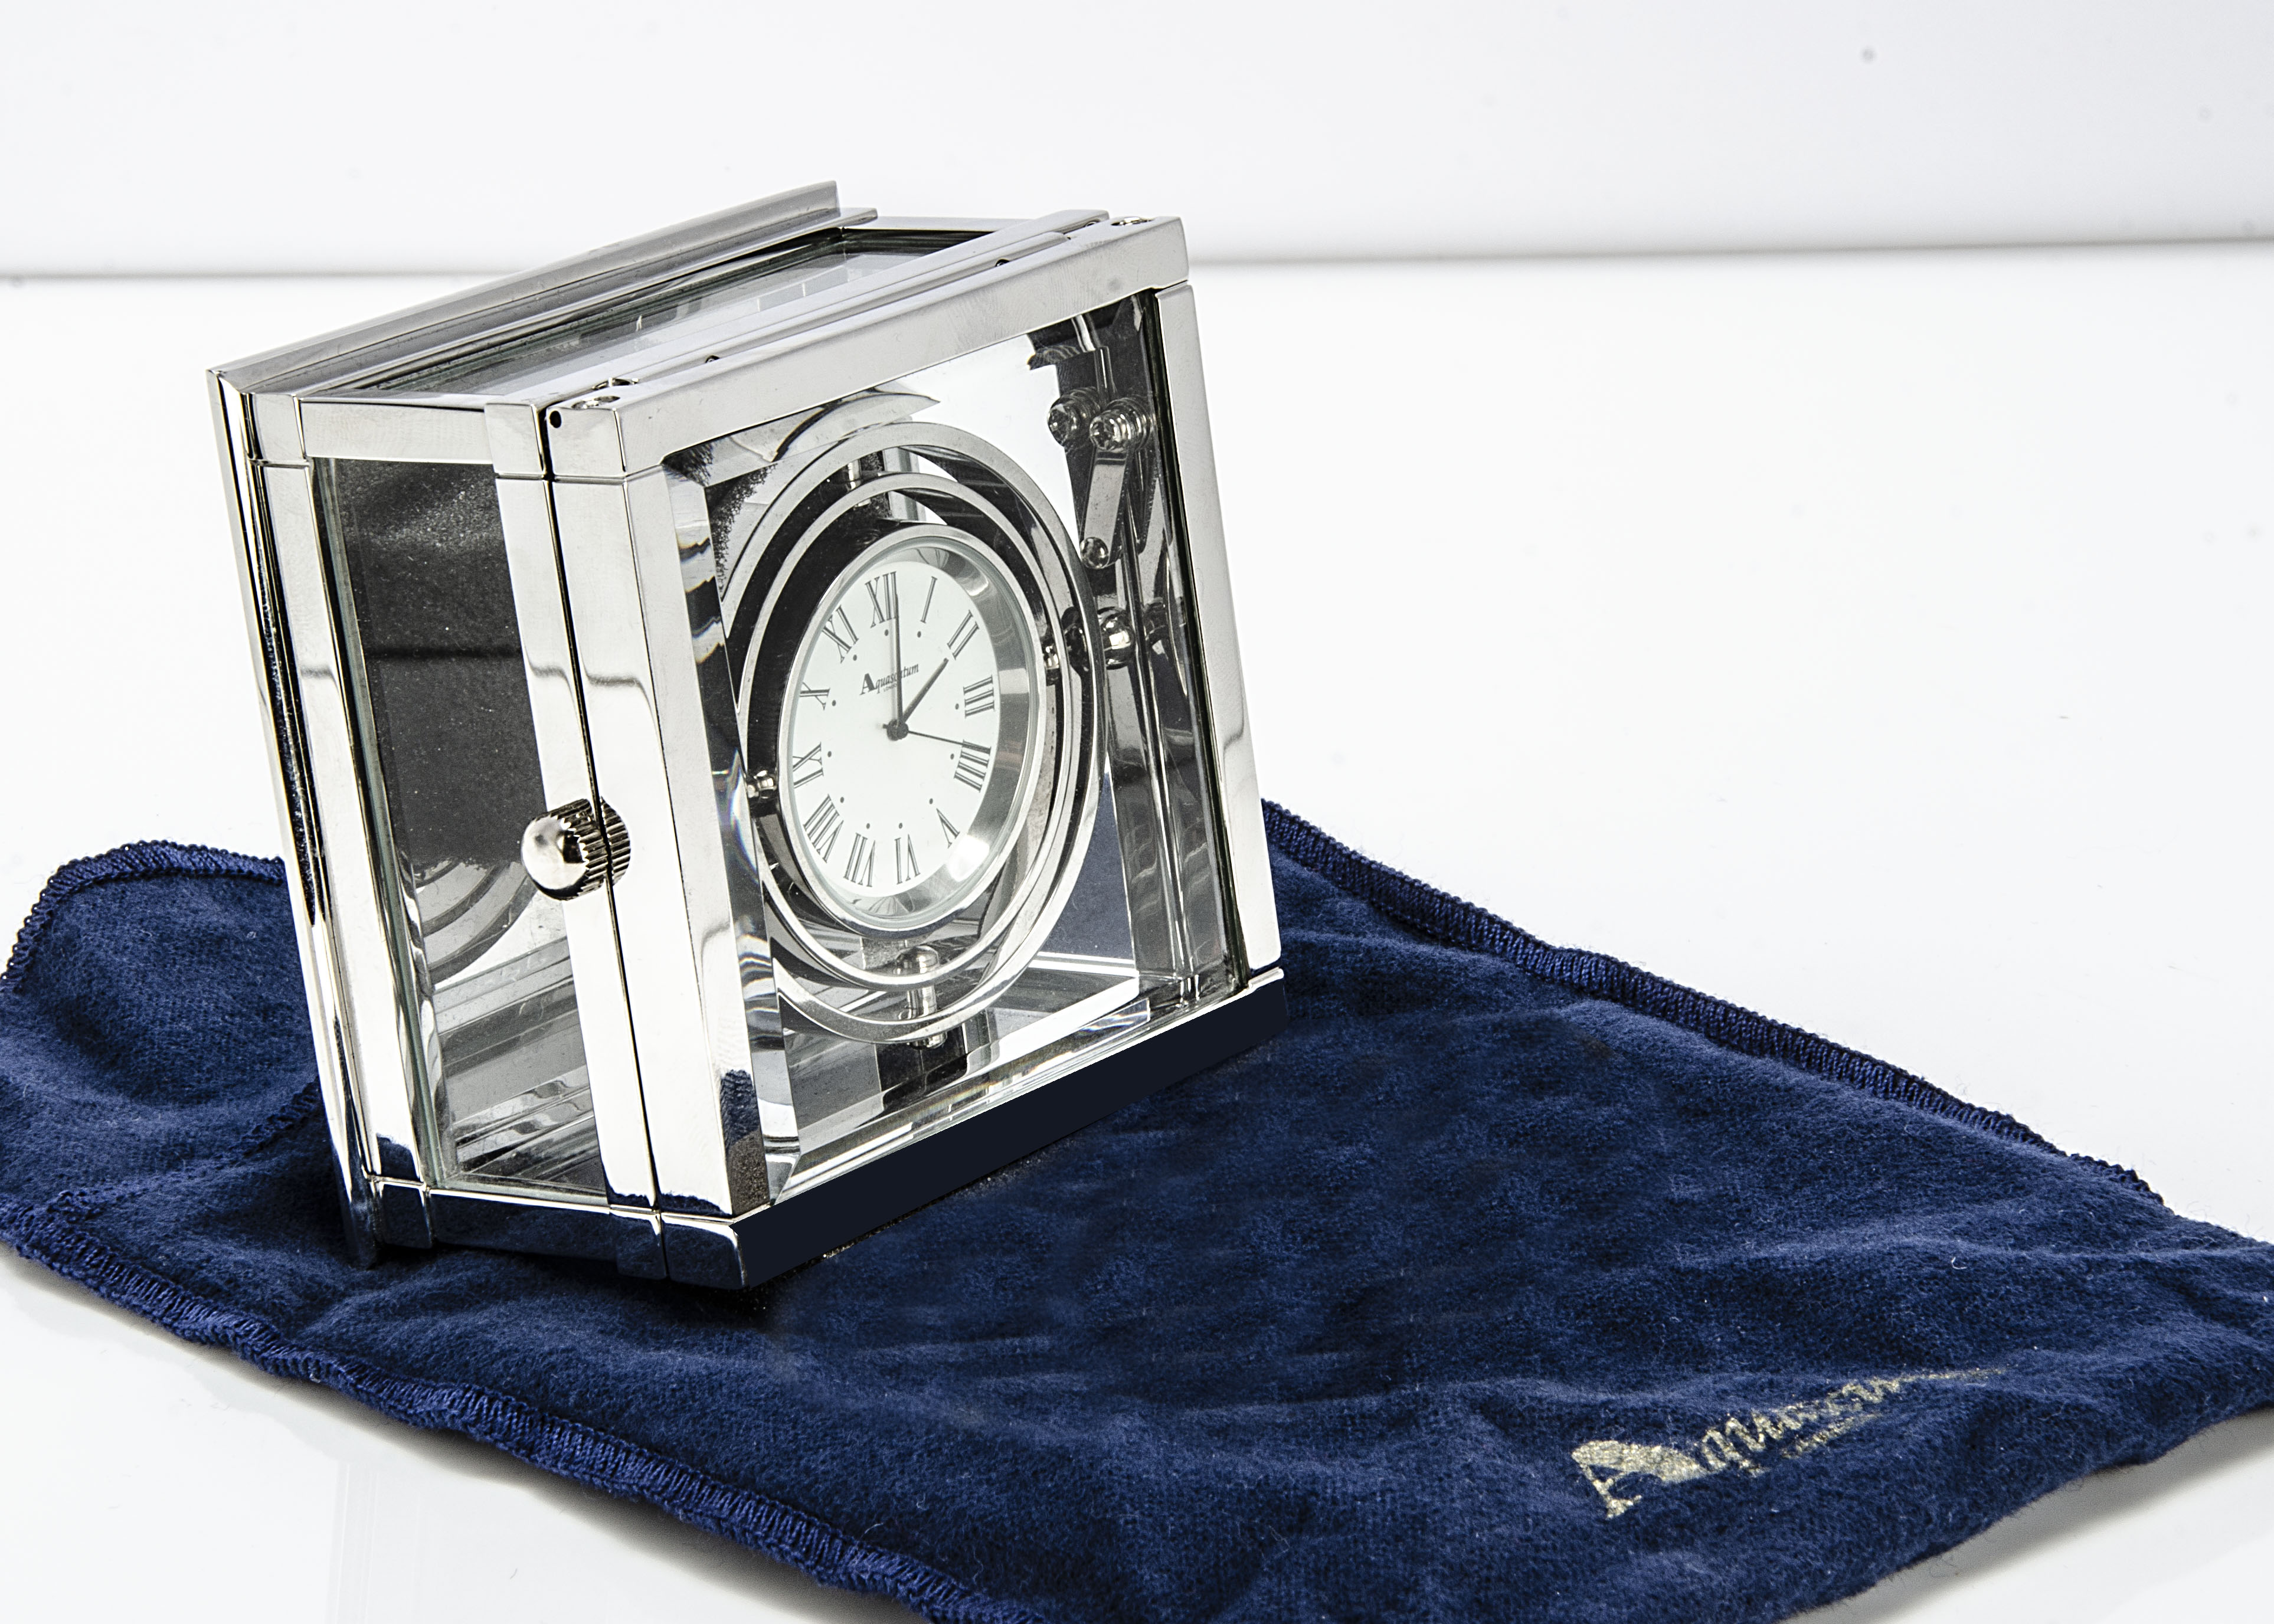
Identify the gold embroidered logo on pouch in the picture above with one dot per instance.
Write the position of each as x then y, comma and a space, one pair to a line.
1749, 1446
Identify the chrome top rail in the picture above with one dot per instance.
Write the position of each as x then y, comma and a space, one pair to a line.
549, 292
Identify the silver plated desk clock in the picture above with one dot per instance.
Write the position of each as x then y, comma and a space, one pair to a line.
759, 725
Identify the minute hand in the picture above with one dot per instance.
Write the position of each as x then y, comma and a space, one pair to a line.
899, 710
909, 708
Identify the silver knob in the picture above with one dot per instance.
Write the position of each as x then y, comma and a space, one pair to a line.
575, 849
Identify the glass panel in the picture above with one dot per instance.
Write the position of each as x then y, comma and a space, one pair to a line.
449, 755
627, 338
820, 550
1156, 722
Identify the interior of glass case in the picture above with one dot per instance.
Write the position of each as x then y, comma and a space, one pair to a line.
871, 1022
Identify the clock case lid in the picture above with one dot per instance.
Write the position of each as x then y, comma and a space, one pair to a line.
569, 387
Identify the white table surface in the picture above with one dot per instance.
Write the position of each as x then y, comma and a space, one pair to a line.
1874, 640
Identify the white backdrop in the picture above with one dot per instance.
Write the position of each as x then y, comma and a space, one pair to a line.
1872, 639
464, 135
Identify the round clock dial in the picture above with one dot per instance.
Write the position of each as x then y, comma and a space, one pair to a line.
906, 748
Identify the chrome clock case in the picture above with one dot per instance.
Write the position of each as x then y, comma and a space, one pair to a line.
556, 586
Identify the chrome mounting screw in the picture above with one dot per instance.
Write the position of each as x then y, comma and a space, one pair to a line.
1069, 416
1119, 427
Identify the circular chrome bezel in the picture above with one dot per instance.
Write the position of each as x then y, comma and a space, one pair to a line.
1008, 621
769, 579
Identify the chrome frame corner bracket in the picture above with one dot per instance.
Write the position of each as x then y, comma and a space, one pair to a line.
1192, 469
517, 440
636, 705
275, 427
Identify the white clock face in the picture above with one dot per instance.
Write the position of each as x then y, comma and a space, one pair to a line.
907, 747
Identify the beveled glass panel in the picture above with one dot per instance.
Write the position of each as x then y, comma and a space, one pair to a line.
449, 753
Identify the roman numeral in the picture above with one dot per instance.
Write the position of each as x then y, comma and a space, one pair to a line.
930, 591
952, 833
964, 629
885, 604
978, 696
823, 825
971, 765
904, 860
806, 768
861, 861
821, 694
846, 639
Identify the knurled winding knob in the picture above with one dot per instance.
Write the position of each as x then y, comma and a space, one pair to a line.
575, 849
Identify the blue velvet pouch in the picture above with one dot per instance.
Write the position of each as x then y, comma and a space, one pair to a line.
1509, 1283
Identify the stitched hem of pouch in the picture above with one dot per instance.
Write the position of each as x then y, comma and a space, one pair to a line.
565, 1448
144, 860
1423, 908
